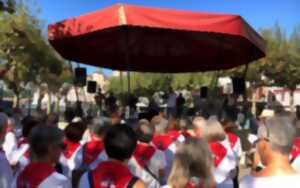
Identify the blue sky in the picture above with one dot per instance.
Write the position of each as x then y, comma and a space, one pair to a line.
258, 13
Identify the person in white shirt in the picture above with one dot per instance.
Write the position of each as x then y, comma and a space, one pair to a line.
171, 103
6, 175
147, 162
10, 141
275, 141
212, 131
46, 145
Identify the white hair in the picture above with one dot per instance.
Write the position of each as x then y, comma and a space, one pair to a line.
280, 132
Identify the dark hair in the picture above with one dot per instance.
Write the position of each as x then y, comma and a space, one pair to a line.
75, 131
28, 123
52, 119
41, 137
145, 131
120, 142
100, 126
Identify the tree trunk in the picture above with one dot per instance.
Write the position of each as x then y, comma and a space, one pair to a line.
292, 107
253, 107
49, 103
17, 105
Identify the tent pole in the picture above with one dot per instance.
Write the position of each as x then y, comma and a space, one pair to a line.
245, 75
128, 80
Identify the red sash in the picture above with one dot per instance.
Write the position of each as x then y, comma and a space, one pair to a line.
20, 143
232, 139
219, 152
70, 149
174, 134
296, 149
162, 142
111, 174
34, 174
91, 151
143, 154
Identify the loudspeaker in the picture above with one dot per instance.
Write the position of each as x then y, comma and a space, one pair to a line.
80, 76
91, 87
203, 92
239, 86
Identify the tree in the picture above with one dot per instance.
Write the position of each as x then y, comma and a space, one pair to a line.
7, 6
24, 52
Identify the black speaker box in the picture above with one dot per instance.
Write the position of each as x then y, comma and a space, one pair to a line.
80, 76
91, 87
239, 86
203, 92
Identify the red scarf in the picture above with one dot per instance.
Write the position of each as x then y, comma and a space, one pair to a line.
34, 174
232, 138
296, 148
174, 134
162, 142
219, 152
24, 141
70, 149
111, 173
91, 151
143, 153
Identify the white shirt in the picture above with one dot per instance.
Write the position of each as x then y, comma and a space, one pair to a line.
171, 102
291, 181
157, 162
6, 174
54, 180
10, 145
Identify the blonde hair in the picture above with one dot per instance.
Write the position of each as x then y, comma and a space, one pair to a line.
213, 131
192, 159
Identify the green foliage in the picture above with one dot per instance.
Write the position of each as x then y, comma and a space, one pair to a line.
25, 53
281, 66
147, 83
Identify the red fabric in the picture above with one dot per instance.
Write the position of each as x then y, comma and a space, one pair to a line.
143, 154
20, 143
232, 139
186, 134
71, 148
111, 174
9, 129
92, 150
296, 148
164, 40
190, 185
34, 174
162, 142
218, 151
174, 134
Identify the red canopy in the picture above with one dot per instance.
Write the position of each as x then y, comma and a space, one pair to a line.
127, 37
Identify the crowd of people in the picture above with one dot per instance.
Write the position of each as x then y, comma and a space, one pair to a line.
162, 151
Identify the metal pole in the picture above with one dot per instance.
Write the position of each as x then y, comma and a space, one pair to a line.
128, 80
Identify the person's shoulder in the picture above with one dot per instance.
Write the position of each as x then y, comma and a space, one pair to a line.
59, 177
247, 181
57, 180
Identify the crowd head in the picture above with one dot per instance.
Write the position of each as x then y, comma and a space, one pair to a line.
46, 143
120, 142
192, 164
